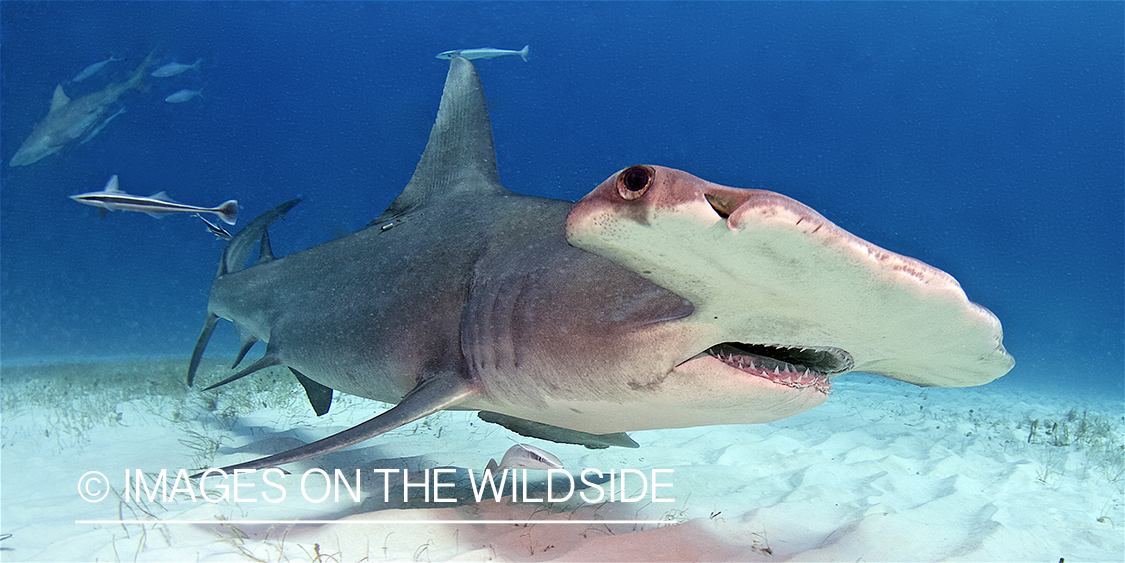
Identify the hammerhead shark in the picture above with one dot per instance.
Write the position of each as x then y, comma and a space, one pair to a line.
70, 119
659, 300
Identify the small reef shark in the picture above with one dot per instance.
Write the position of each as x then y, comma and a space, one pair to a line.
111, 198
659, 300
485, 53
69, 119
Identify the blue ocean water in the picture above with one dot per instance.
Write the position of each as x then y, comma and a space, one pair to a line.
983, 138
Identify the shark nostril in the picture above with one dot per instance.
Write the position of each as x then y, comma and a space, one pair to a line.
633, 182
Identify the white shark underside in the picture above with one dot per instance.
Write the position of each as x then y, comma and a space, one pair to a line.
687, 304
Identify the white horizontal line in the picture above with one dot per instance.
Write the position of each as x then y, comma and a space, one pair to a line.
369, 522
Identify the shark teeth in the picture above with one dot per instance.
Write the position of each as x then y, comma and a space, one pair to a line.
776, 371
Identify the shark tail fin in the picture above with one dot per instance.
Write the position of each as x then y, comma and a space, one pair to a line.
525, 53
137, 80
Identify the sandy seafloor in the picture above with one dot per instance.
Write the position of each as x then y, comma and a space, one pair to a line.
883, 471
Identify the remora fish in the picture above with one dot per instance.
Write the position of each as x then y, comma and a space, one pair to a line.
69, 119
217, 230
157, 205
659, 300
524, 456
485, 53
172, 69
92, 69
183, 96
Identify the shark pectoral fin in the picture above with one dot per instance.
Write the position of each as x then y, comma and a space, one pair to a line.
102, 211
431, 395
264, 362
558, 434
201, 345
320, 397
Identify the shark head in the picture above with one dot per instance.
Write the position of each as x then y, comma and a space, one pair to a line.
35, 148
783, 299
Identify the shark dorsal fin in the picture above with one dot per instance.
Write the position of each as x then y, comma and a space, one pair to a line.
111, 185
459, 157
59, 99
162, 196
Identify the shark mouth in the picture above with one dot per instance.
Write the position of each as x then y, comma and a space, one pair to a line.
796, 367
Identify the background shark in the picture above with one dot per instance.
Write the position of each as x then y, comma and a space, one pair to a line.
69, 119
464, 295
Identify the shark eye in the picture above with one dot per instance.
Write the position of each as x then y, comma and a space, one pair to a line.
633, 182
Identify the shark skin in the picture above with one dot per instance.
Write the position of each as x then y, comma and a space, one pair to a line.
464, 295
70, 119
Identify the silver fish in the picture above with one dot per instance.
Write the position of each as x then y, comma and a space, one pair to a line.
183, 96
172, 69
485, 53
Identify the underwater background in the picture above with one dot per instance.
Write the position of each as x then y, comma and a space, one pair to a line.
982, 138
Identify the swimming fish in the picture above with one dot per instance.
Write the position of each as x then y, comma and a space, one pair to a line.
485, 53
183, 96
92, 69
111, 198
172, 69
217, 230
525, 456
